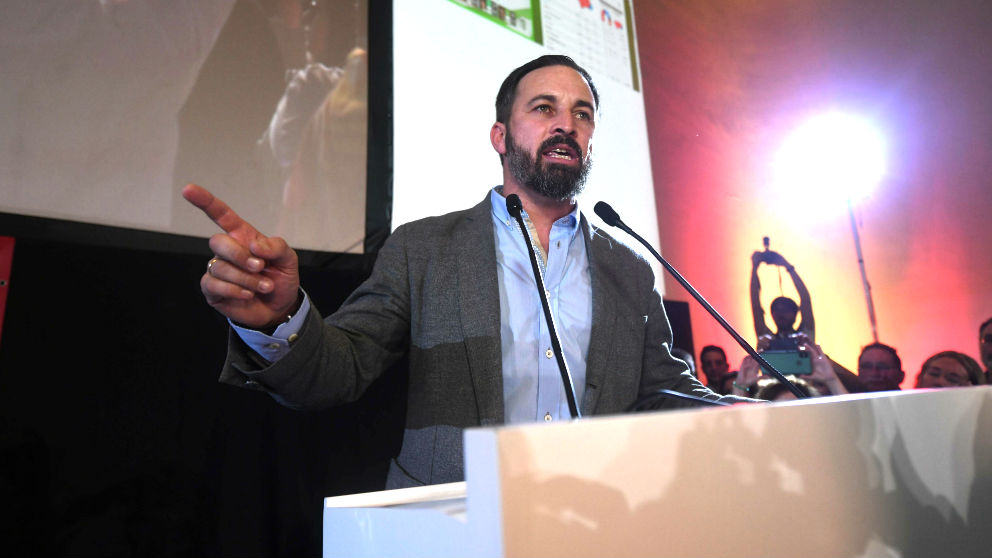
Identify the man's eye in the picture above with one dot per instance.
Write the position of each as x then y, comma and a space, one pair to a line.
543, 108
583, 115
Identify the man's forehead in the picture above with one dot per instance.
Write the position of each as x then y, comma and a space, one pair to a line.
554, 81
877, 353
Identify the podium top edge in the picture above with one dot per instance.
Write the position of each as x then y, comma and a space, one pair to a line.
399, 496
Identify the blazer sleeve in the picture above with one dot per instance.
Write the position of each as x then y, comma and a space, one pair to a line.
334, 360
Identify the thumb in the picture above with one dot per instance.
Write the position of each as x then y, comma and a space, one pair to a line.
273, 250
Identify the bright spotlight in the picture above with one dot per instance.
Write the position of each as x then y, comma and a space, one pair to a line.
832, 156
830, 160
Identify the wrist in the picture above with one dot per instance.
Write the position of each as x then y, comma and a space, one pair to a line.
281, 318
273, 326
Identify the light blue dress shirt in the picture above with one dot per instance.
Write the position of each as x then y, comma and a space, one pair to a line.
532, 385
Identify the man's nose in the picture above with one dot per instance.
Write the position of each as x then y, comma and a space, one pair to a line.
565, 124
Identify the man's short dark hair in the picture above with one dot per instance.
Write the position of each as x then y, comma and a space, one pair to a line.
793, 307
891, 350
984, 325
709, 348
508, 91
771, 389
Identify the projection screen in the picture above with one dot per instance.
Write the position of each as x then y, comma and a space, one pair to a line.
111, 106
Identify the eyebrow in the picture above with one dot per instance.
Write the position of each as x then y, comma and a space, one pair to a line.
554, 99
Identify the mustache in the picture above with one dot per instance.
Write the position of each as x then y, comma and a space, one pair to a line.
561, 140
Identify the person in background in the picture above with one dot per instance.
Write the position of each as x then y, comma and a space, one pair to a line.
713, 361
949, 369
985, 348
771, 389
823, 378
880, 368
784, 310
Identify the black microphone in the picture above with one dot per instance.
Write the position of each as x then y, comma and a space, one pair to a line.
610, 217
514, 207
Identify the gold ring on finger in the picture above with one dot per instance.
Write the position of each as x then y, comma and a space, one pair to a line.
210, 265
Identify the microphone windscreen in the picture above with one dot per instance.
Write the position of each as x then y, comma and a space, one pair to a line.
607, 214
513, 205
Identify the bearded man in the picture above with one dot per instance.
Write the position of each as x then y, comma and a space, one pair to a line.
456, 294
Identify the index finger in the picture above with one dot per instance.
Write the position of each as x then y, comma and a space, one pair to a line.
219, 212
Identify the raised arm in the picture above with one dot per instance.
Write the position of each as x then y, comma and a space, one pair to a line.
760, 327
806, 324
252, 279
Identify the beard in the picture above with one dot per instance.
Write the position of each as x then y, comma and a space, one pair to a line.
554, 181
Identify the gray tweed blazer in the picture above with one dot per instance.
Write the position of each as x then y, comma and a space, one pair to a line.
433, 293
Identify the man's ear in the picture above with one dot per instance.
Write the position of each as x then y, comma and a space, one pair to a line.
497, 135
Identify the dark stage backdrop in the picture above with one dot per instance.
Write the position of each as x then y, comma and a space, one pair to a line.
116, 439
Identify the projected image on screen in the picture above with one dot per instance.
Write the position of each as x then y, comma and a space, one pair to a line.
596, 31
516, 15
111, 106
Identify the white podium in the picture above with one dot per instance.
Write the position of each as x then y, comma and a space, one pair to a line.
895, 474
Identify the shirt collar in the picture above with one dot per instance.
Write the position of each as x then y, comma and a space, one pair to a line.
569, 222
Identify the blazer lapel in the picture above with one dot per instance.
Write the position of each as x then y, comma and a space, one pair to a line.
604, 317
478, 301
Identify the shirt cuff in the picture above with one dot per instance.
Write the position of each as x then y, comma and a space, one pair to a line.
275, 346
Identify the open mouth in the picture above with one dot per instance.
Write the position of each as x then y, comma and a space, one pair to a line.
560, 152
561, 149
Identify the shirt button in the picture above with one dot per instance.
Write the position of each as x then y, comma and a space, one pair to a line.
547, 417
549, 353
272, 346
293, 337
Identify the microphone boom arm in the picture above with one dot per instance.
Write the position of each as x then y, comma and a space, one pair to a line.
612, 218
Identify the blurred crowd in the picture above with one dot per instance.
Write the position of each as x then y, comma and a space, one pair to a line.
792, 350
